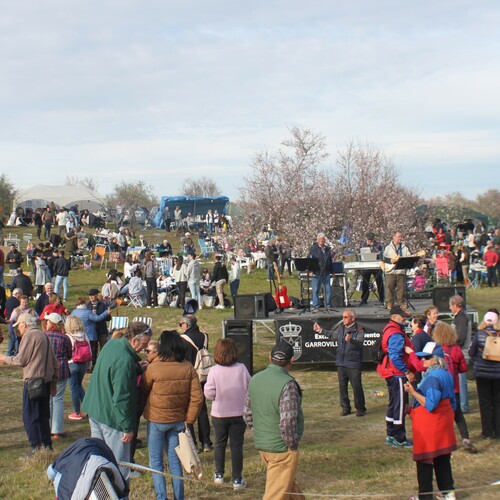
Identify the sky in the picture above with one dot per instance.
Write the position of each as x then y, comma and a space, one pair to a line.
164, 90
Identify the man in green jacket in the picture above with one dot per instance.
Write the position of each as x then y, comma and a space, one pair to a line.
273, 410
111, 397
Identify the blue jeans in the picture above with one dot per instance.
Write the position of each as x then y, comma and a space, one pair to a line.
318, 281
113, 438
64, 281
77, 371
13, 342
57, 408
194, 288
234, 285
159, 437
464, 392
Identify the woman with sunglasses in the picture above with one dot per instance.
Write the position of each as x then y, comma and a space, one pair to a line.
432, 424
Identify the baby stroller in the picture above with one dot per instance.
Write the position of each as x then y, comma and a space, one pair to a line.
87, 470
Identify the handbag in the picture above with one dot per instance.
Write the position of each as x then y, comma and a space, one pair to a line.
188, 454
491, 350
36, 389
36, 386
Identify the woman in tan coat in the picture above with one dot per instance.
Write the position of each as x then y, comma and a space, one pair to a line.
174, 397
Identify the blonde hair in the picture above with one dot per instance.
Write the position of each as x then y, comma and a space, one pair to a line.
74, 324
444, 334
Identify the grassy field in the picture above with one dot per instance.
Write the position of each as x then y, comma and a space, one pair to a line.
339, 455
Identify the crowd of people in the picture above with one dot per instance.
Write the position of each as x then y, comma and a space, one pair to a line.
57, 346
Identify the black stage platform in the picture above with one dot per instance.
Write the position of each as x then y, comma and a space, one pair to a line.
296, 327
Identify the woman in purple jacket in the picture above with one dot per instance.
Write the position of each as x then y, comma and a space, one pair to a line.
226, 386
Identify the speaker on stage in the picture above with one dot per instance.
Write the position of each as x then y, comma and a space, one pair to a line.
441, 296
337, 296
240, 332
250, 306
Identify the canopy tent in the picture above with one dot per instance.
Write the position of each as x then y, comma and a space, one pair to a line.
190, 204
40, 196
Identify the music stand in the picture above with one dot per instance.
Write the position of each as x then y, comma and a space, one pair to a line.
407, 263
307, 265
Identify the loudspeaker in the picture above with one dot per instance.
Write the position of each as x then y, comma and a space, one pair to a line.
441, 296
337, 296
250, 306
240, 332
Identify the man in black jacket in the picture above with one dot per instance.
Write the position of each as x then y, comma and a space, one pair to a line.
62, 267
44, 298
220, 278
350, 337
461, 324
189, 327
321, 278
14, 258
23, 282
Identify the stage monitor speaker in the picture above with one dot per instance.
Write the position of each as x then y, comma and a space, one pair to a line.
240, 332
337, 296
441, 296
250, 306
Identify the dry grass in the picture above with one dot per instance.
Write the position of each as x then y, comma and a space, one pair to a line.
339, 455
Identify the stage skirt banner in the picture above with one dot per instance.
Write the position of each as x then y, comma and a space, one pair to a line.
312, 347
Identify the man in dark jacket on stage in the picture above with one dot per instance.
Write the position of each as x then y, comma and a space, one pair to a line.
350, 337
321, 278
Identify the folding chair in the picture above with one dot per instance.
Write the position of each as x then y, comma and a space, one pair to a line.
118, 322
134, 300
144, 319
100, 254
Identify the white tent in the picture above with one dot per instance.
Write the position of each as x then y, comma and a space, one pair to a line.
41, 195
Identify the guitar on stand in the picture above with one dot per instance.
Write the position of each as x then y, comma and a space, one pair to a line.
280, 293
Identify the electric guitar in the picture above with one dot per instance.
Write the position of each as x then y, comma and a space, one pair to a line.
388, 267
280, 295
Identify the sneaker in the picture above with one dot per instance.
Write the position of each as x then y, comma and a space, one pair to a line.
469, 446
345, 412
57, 436
218, 478
220, 306
389, 440
403, 444
360, 413
239, 484
207, 448
75, 416
29, 454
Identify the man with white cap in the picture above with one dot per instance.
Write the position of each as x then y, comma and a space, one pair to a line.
38, 360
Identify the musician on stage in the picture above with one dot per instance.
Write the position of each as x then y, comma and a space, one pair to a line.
321, 278
377, 273
395, 278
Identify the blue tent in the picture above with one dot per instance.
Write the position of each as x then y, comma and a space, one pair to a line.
190, 204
